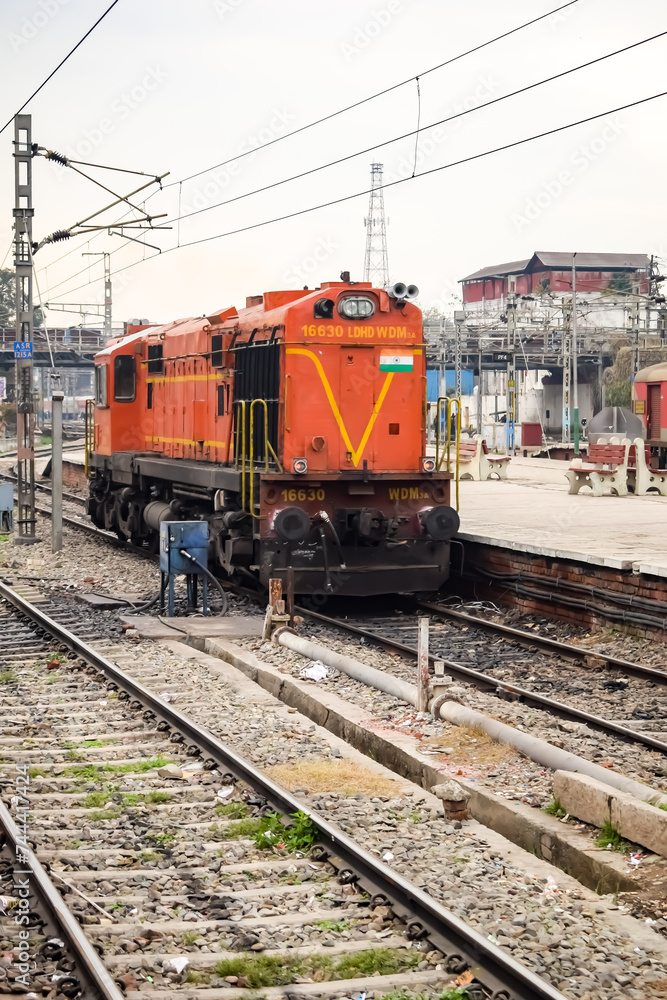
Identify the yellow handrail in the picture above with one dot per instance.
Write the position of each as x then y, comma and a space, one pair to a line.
443, 454
250, 455
89, 435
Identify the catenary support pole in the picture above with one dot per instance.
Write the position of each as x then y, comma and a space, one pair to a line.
25, 415
575, 373
57, 469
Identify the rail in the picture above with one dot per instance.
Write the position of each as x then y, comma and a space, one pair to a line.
498, 974
489, 683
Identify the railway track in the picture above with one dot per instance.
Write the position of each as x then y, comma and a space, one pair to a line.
158, 870
645, 724
505, 662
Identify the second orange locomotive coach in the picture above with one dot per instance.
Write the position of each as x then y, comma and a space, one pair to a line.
296, 427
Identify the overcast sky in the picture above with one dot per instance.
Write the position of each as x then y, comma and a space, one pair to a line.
170, 85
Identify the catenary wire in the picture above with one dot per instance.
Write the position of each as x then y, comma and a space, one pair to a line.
61, 63
389, 184
380, 93
420, 129
415, 132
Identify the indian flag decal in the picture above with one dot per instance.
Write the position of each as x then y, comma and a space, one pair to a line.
395, 362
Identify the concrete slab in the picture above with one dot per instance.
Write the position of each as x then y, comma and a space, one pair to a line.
597, 803
162, 627
533, 512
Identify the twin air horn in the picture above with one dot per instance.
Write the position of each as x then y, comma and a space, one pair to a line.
402, 292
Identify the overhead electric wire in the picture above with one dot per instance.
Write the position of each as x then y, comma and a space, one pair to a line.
416, 132
61, 63
389, 184
380, 93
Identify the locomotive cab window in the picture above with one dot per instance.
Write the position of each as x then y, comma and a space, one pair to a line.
124, 378
101, 385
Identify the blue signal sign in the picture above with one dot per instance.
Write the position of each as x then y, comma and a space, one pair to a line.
23, 348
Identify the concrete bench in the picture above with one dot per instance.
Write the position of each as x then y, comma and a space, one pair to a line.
498, 463
606, 468
642, 476
475, 462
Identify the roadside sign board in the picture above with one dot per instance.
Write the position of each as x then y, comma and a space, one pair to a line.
23, 348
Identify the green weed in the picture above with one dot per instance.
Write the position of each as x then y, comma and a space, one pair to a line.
147, 856
161, 838
99, 815
241, 828
232, 810
196, 977
610, 837
299, 836
337, 926
263, 971
189, 937
8, 677
554, 808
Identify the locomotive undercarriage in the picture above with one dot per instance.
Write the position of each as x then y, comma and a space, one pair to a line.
356, 550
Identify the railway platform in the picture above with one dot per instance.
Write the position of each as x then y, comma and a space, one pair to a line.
597, 558
533, 512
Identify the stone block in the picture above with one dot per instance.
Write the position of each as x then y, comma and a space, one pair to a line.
640, 822
594, 802
583, 797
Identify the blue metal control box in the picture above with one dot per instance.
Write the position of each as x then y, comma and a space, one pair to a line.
177, 538
6, 506
189, 535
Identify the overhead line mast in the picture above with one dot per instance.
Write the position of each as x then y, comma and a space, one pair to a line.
376, 262
25, 407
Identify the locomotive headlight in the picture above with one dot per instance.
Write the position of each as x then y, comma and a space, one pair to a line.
300, 465
356, 307
428, 464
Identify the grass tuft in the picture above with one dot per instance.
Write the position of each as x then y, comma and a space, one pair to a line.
610, 838
232, 810
8, 677
263, 971
339, 775
554, 808
299, 836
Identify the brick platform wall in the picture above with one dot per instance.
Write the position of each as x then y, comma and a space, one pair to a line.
547, 577
74, 476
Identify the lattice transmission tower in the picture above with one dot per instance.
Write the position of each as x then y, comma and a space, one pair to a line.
376, 263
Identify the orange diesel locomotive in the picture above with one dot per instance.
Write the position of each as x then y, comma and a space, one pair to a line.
295, 427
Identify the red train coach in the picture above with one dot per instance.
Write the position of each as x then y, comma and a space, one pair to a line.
295, 426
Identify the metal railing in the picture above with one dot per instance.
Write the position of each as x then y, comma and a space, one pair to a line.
89, 435
244, 458
443, 454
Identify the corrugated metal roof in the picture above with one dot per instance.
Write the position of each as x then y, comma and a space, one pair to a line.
594, 261
500, 270
548, 258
